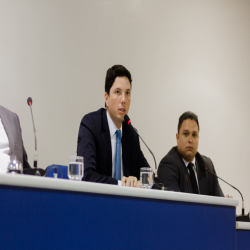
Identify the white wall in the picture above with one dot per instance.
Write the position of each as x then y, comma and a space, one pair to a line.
183, 55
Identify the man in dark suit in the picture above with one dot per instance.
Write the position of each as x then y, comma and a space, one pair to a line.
11, 143
110, 147
183, 168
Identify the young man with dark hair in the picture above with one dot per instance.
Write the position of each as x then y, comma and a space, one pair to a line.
110, 147
183, 168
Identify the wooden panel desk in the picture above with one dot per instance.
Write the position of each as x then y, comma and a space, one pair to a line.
45, 213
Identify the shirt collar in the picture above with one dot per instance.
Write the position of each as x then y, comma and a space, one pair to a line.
186, 162
112, 126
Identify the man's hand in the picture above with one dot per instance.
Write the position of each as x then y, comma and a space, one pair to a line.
229, 196
138, 185
130, 181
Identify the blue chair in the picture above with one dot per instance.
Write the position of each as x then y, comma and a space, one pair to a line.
62, 171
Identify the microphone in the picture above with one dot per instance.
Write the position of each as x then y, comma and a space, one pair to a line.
35, 170
156, 185
29, 101
128, 121
242, 217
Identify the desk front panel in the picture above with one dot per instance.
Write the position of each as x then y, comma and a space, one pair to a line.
32, 218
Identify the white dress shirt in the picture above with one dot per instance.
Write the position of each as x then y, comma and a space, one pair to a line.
112, 130
4, 149
195, 170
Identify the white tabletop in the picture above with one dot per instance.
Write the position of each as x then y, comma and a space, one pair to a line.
242, 225
81, 186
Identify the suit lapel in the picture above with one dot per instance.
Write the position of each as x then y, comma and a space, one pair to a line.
202, 178
107, 140
7, 126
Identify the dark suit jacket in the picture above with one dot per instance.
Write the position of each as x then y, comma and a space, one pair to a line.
173, 173
13, 130
94, 144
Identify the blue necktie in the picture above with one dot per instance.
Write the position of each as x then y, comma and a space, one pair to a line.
118, 155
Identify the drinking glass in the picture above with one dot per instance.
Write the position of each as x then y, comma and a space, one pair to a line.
146, 177
75, 169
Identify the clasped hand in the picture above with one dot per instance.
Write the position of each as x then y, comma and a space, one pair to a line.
130, 181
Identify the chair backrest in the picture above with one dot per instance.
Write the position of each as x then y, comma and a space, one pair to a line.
62, 171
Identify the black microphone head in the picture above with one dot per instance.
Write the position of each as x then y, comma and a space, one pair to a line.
29, 101
127, 120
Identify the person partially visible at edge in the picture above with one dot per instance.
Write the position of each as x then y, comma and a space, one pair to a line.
11, 142
110, 147
183, 168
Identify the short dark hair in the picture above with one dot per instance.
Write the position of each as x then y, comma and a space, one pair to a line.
112, 73
185, 116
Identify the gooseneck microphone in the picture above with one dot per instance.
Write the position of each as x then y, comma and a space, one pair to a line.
29, 101
128, 121
242, 217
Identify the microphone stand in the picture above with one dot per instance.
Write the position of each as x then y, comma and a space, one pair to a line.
241, 217
156, 176
35, 170
156, 185
35, 155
